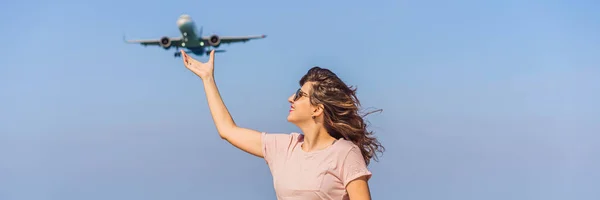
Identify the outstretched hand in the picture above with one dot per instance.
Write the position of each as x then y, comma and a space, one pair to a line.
203, 70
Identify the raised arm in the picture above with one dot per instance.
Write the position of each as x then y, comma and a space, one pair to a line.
245, 139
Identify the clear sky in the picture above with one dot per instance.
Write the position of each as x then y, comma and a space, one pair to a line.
481, 100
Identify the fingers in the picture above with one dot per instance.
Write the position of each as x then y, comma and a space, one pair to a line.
186, 59
212, 55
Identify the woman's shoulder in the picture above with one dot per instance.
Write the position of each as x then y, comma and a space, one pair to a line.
345, 145
295, 137
344, 148
292, 137
347, 156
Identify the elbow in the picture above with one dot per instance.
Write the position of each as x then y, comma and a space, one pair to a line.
222, 137
225, 133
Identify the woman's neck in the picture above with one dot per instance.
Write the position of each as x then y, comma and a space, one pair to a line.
316, 138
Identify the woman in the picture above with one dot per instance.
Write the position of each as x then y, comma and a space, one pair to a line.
328, 161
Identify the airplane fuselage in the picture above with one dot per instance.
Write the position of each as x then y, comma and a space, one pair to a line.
188, 30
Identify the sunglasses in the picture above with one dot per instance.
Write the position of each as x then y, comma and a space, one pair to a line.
299, 94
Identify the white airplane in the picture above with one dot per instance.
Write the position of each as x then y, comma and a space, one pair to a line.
193, 41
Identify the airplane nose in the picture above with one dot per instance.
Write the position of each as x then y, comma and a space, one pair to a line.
182, 21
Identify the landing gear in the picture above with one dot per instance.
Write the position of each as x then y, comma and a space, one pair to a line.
178, 53
216, 51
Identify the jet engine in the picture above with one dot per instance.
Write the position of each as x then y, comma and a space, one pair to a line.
214, 41
165, 42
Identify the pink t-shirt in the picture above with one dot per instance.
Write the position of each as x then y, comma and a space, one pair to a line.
321, 174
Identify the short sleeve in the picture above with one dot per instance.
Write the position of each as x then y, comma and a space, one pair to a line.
273, 145
354, 166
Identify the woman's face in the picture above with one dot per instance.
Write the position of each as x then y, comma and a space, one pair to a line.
300, 110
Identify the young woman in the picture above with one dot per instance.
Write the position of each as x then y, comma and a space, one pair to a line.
328, 160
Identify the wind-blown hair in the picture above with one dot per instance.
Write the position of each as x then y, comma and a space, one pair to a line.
341, 117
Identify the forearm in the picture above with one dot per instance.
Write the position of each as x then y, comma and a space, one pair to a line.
221, 117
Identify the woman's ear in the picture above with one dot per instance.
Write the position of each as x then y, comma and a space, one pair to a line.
319, 109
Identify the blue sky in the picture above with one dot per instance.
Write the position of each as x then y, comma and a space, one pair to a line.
481, 100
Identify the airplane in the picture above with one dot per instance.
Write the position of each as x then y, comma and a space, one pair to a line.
192, 40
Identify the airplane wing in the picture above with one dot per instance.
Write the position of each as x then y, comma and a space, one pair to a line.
234, 39
175, 41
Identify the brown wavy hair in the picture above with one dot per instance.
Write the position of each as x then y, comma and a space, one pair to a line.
341, 113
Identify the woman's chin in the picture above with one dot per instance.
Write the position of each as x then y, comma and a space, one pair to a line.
291, 119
